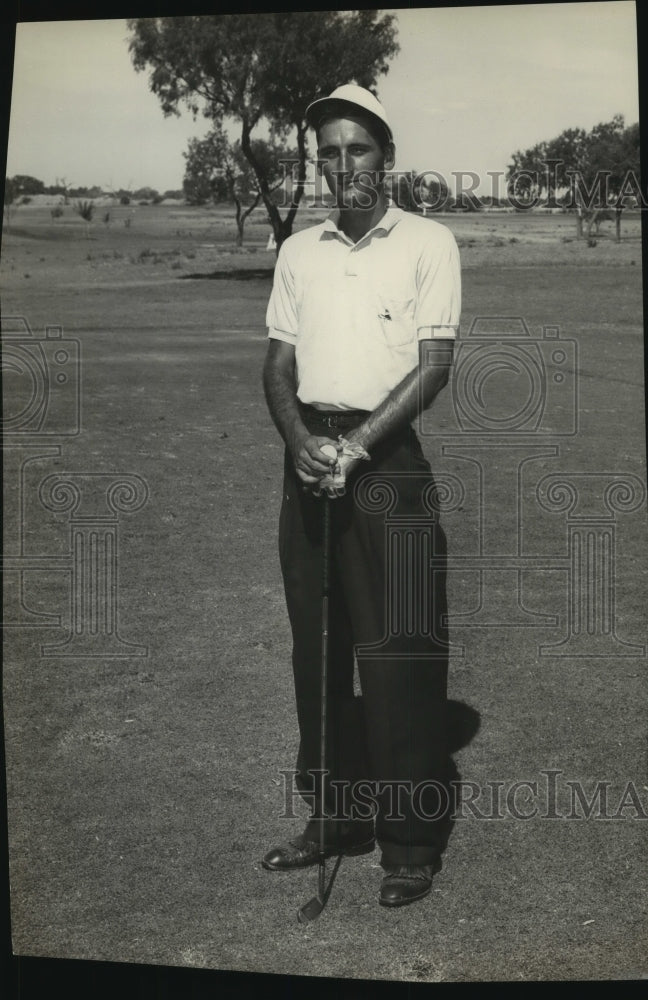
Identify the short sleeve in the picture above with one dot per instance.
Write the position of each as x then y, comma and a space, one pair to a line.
281, 314
439, 287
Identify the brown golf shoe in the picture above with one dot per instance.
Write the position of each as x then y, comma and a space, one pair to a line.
405, 884
302, 852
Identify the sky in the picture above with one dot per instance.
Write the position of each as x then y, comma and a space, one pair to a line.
469, 87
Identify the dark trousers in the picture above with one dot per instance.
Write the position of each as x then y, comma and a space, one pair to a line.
386, 751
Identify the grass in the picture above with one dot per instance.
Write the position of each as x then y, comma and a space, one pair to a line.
143, 792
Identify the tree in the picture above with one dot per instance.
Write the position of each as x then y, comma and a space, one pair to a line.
418, 192
24, 184
614, 151
146, 194
62, 187
218, 171
400, 185
431, 191
205, 166
10, 194
262, 68
85, 192
587, 172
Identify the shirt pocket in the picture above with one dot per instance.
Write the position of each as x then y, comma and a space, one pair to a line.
397, 318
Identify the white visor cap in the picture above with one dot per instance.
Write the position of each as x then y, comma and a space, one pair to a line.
349, 94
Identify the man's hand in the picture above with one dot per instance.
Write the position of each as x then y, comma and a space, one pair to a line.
334, 483
311, 463
279, 382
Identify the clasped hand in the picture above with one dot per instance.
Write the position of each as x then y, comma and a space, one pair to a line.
321, 473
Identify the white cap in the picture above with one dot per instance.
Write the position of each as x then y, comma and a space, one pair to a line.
349, 94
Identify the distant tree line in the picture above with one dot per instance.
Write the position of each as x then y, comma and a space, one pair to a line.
428, 192
24, 186
594, 174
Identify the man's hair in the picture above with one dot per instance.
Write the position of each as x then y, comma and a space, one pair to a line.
373, 125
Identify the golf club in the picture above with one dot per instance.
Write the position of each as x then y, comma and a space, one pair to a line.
312, 909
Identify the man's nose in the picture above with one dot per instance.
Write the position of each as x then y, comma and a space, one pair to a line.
345, 163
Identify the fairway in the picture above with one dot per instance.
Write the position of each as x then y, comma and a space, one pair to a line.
144, 789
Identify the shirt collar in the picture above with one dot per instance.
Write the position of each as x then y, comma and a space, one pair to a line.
392, 216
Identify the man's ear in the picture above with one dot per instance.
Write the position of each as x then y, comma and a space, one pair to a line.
390, 156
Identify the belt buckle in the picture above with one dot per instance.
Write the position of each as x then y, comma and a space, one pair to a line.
331, 421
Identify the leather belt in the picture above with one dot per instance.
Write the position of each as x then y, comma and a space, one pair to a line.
333, 418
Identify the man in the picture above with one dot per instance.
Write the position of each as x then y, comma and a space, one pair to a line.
361, 319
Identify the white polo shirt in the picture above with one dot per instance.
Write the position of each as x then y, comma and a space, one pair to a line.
355, 312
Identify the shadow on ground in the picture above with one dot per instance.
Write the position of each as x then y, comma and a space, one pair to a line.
238, 274
463, 724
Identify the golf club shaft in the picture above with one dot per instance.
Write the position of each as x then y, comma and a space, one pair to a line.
326, 575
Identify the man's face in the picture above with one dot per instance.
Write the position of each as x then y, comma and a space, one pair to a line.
352, 162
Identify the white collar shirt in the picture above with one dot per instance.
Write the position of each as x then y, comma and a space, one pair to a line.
356, 311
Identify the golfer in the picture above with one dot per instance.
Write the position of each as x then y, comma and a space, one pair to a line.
361, 321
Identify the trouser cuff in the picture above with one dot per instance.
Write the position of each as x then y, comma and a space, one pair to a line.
402, 854
336, 831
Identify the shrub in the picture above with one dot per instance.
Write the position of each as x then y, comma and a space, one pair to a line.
85, 209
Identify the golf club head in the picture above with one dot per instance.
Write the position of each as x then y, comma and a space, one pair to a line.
310, 910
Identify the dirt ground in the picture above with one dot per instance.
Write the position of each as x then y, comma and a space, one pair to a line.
143, 790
